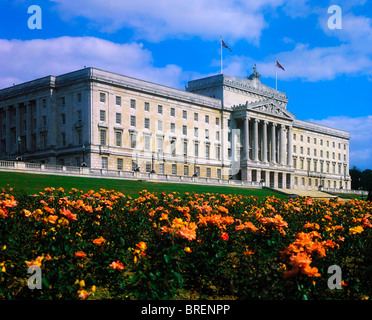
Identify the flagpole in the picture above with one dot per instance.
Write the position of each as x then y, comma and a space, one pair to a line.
276, 76
221, 55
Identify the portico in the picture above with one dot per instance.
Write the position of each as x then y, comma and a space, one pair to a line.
265, 131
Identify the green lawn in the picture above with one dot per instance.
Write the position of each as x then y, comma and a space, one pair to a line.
33, 183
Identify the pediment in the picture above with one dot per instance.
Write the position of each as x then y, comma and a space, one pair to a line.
271, 108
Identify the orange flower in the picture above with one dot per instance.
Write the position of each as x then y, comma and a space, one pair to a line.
52, 219
187, 249
9, 203
247, 226
117, 265
80, 254
36, 262
68, 214
82, 294
99, 241
142, 246
26, 212
224, 236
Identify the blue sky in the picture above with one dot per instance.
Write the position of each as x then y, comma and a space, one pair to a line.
328, 72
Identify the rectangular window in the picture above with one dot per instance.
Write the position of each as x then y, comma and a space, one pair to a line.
184, 130
102, 115
161, 168
160, 125
173, 127
63, 118
102, 97
184, 114
118, 100
160, 144
160, 109
217, 135
133, 121
218, 173
172, 112
44, 103
196, 149
118, 138
79, 97
104, 162
147, 123
218, 152
185, 170
118, 118
119, 163
134, 165
185, 148
197, 171
217, 121
206, 119
148, 166
133, 103
63, 137
173, 147
207, 151
208, 172
147, 106
207, 134
147, 142
80, 115
196, 116
174, 169
102, 135
133, 140
196, 132
63, 102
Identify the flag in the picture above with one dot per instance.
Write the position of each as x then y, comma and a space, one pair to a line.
279, 65
225, 45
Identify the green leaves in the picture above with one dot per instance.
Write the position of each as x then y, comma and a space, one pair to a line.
183, 251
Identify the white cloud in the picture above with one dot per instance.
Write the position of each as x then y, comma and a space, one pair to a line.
157, 20
360, 130
27, 60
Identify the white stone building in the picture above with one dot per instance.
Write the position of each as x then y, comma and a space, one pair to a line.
221, 127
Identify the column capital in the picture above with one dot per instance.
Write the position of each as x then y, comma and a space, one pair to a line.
257, 120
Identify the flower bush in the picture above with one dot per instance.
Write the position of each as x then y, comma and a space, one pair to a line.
105, 245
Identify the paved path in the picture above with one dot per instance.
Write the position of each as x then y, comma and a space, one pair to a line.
307, 193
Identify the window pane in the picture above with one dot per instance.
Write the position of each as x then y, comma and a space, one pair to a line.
102, 97
118, 100
102, 115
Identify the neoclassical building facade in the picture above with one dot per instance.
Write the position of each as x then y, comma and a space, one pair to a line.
220, 127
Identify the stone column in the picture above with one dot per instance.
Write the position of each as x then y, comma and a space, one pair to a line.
264, 138
282, 144
290, 147
7, 129
255, 139
246, 137
18, 124
28, 126
273, 142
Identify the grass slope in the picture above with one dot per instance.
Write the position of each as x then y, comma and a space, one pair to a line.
34, 183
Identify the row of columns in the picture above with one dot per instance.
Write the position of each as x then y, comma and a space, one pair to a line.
281, 145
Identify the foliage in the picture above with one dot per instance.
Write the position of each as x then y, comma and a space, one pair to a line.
106, 245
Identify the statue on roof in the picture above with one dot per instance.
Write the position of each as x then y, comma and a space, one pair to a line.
255, 74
